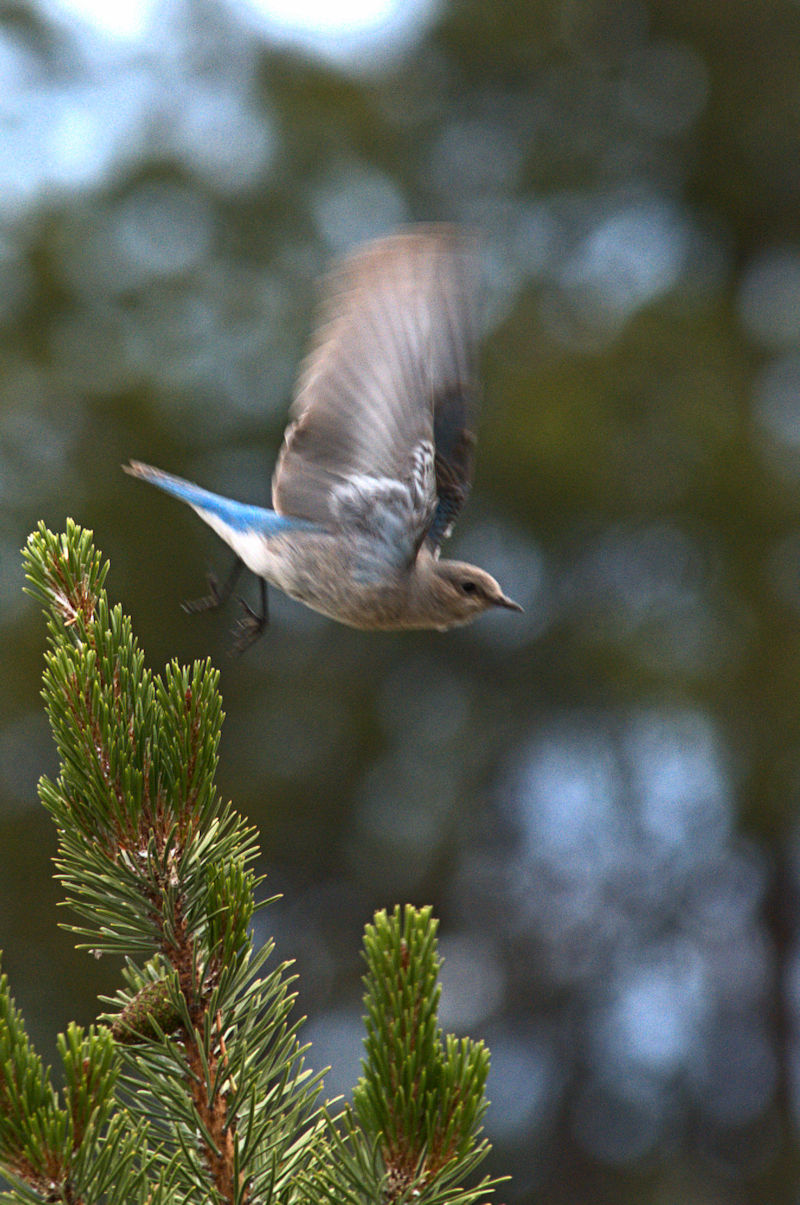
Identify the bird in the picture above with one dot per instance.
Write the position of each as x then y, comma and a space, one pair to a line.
378, 456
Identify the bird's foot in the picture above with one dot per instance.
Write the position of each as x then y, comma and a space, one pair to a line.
217, 594
209, 602
251, 624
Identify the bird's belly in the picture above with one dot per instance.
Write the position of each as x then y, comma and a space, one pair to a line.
352, 602
328, 577
267, 558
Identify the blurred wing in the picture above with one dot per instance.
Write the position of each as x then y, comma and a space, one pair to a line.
390, 378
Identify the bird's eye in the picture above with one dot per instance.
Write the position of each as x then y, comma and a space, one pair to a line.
468, 587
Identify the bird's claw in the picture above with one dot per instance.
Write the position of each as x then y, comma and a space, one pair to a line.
217, 594
209, 602
248, 628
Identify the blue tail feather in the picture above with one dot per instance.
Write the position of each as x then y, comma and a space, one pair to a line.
238, 516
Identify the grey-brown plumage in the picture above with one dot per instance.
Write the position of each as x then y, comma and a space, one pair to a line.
378, 457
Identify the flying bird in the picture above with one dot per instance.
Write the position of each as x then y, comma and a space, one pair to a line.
378, 456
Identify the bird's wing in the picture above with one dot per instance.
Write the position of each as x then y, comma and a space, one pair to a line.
381, 429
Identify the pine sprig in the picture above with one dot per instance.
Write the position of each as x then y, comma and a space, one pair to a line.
431, 1114
414, 1132
74, 1149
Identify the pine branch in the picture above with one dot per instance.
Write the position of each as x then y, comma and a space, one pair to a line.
154, 863
71, 1150
414, 1132
196, 1090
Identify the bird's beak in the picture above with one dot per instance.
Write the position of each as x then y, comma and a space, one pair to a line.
508, 603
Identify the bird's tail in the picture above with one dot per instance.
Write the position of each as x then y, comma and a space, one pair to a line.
217, 511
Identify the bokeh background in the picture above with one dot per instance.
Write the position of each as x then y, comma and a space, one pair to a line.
599, 798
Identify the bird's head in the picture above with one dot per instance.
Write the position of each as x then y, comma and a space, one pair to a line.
459, 592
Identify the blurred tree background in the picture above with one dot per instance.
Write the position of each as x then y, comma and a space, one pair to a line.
600, 797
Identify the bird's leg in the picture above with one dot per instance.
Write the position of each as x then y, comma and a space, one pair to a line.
251, 624
217, 595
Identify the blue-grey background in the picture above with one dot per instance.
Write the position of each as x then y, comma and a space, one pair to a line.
600, 797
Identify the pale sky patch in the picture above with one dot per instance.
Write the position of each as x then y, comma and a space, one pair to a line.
331, 28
